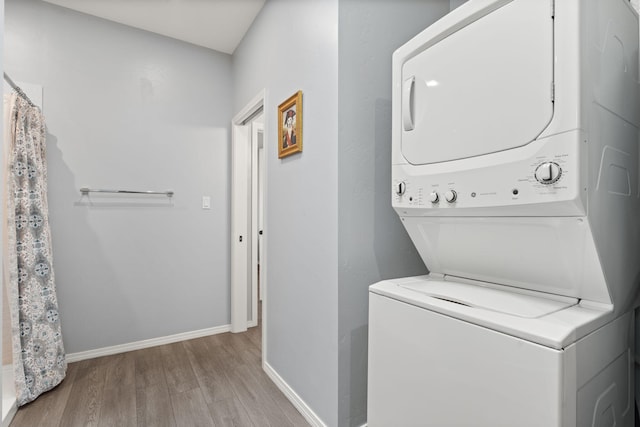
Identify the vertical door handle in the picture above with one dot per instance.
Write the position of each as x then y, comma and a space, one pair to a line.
407, 103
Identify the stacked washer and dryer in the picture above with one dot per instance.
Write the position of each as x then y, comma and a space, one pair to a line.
515, 172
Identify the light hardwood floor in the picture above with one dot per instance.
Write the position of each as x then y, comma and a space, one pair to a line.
210, 381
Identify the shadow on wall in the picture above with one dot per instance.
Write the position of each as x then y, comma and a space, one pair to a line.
127, 201
358, 377
67, 262
395, 254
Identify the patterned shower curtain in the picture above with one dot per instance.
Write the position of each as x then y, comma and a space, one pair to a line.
39, 362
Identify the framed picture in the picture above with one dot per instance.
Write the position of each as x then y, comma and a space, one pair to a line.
290, 126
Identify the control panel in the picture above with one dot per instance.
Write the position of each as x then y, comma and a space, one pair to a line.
494, 180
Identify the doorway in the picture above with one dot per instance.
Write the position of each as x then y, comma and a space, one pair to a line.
247, 199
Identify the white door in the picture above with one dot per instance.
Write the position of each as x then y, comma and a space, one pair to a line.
240, 245
487, 87
243, 226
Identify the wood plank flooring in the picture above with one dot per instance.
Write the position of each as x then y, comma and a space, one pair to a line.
211, 381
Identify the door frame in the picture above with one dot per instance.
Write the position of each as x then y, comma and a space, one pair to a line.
241, 217
256, 276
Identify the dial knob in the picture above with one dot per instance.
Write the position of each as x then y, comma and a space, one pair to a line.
400, 188
450, 196
548, 173
434, 197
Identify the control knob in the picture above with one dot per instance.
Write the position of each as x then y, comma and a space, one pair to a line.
548, 173
450, 196
400, 188
433, 197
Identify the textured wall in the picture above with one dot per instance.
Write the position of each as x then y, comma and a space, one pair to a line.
129, 109
292, 46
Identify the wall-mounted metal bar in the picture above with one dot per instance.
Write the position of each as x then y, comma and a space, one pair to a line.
85, 191
18, 90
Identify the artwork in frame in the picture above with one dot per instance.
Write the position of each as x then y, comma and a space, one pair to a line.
290, 126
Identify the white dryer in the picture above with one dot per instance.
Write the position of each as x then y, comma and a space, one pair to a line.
515, 172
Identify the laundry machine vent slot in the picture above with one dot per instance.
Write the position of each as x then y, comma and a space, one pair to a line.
453, 301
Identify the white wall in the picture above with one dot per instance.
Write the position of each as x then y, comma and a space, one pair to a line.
129, 109
373, 244
292, 46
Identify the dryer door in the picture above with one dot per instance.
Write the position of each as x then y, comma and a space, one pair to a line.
485, 88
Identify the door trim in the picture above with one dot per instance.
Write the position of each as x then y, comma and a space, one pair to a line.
240, 213
256, 128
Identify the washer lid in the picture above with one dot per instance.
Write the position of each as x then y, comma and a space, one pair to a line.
550, 320
485, 88
508, 302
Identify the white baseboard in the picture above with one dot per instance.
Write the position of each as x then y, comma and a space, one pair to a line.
6, 420
138, 345
300, 405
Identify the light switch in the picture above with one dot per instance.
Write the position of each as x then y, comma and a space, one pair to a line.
206, 202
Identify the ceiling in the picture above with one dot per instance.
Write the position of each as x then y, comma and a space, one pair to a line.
215, 24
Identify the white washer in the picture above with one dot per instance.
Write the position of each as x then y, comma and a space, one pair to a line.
458, 354
515, 173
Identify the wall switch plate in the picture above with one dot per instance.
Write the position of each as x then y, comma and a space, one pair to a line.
206, 202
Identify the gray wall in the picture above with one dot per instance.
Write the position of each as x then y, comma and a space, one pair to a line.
455, 3
293, 46
335, 196
373, 244
129, 109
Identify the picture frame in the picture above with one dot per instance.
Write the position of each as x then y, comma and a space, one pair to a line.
290, 126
